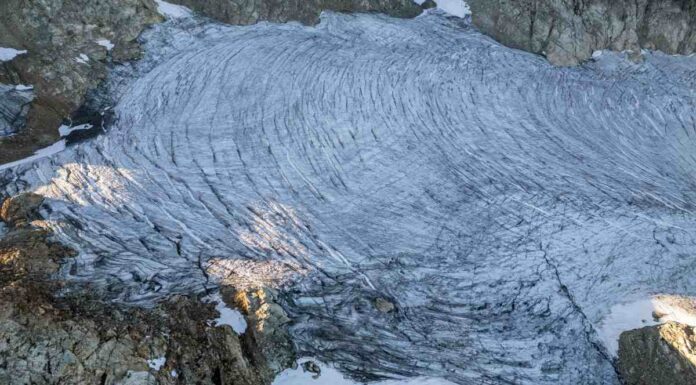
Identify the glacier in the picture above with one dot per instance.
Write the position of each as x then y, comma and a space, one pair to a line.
503, 205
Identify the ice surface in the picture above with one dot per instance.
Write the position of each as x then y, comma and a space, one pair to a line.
457, 8
330, 376
39, 154
172, 11
503, 205
7, 54
64, 130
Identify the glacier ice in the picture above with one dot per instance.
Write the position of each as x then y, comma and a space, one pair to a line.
502, 204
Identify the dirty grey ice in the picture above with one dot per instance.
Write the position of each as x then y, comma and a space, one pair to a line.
502, 204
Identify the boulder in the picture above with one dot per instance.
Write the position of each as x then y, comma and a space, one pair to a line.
658, 355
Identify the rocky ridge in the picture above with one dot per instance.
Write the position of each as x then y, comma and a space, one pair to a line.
658, 355
307, 12
570, 31
76, 338
69, 45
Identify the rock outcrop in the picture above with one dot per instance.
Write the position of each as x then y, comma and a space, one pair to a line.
305, 11
74, 338
14, 106
658, 355
68, 44
568, 32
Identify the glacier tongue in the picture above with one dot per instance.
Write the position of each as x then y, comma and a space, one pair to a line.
502, 205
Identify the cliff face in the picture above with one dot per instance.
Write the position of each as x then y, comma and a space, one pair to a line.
75, 338
658, 355
569, 31
68, 44
304, 11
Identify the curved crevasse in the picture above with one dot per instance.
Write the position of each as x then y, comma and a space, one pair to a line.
503, 205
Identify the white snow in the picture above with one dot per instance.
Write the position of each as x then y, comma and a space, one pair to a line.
82, 59
331, 376
172, 11
7, 54
156, 363
106, 43
23, 87
457, 8
638, 314
173, 373
597, 54
231, 317
66, 130
42, 153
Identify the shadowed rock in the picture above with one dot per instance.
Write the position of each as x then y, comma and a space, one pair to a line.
658, 355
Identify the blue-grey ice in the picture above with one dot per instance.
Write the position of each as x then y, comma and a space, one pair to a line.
503, 205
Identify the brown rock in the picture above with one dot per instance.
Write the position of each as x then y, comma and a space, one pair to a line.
21, 209
658, 355
383, 305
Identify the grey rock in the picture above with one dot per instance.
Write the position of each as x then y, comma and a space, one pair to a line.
568, 32
304, 11
14, 106
658, 355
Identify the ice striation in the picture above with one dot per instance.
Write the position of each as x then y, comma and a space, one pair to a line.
501, 205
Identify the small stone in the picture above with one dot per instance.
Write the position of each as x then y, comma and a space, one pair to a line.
658, 315
427, 4
312, 367
384, 305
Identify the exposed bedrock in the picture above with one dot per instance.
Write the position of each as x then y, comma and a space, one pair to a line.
569, 31
53, 332
14, 106
304, 11
68, 45
658, 355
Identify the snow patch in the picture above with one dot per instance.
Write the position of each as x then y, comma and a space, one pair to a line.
66, 130
156, 363
42, 153
457, 8
23, 87
331, 376
597, 54
82, 59
172, 11
106, 43
231, 317
638, 314
7, 54
174, 374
